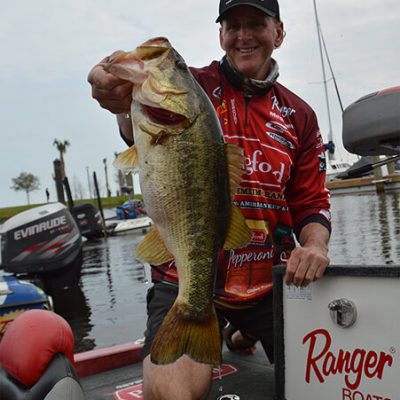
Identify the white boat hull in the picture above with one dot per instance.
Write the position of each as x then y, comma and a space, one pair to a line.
118, 227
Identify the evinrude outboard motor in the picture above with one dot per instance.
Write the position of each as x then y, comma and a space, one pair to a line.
43, 243
37, 360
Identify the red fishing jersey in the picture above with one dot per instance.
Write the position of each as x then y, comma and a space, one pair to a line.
283, 185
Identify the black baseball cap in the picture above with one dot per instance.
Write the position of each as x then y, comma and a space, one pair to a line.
269, 7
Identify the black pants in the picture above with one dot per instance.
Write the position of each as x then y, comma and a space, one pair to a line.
256, 321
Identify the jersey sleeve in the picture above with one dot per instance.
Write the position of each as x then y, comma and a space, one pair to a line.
305, 192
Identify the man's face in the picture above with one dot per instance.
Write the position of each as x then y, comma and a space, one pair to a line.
249, 37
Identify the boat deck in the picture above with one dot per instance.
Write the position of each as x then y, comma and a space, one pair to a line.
245, 376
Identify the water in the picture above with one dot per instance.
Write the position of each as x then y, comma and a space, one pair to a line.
109, 306
366, 229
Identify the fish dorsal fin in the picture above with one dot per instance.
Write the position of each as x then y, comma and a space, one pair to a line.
235, 162
127, 161
239, 234
152, 249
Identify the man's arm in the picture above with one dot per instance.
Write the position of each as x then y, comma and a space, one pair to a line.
308, 263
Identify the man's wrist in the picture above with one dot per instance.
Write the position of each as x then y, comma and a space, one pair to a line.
125, 128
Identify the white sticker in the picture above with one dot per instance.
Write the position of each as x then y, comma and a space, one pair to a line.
298, 293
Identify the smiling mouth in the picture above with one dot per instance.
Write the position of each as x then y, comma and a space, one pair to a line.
247, 50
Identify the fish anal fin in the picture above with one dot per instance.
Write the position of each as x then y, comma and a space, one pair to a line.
152, 249
235, 162
127, 161
239, 234
179, 335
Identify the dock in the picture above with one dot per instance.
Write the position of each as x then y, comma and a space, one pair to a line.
366, 184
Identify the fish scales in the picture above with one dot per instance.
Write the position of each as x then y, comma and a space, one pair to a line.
190, 211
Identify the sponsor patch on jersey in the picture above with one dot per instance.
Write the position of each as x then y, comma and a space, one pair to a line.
217, 92
322, 162
281, 140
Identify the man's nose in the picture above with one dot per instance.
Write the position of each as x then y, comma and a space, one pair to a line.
244, 32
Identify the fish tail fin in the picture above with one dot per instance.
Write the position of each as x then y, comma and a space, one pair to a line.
180, 334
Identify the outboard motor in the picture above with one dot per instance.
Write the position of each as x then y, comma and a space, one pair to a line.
37, 360
371, 125
43, 243
88, 218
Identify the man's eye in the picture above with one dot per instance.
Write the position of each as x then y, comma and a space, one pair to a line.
233, 27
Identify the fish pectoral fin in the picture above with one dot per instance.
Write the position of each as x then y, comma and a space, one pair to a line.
152, 249
127, 161
239, 234
235, 162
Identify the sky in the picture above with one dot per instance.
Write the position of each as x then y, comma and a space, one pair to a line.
48, 47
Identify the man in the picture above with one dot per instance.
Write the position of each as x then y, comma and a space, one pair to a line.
281, 192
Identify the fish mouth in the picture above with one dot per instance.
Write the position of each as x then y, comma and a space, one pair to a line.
162, 116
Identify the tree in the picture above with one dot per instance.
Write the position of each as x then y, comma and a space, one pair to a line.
26, 182
62, 148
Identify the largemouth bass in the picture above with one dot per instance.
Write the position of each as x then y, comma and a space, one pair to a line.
187, 176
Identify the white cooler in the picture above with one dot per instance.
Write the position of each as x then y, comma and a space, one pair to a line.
339, 338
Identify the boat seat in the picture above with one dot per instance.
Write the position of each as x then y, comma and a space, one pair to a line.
37, 360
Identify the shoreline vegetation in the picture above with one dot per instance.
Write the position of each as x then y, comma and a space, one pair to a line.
106, 202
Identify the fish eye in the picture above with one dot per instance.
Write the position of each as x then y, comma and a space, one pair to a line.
180, 64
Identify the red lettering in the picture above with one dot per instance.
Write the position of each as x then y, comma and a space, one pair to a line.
371, 363
383, 359
356, 366
346, 394
322, 362
311, 359
359, 396
343, 361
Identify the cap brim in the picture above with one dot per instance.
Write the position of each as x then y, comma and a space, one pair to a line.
265, 11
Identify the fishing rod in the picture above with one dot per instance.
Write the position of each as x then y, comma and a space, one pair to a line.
369, 167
